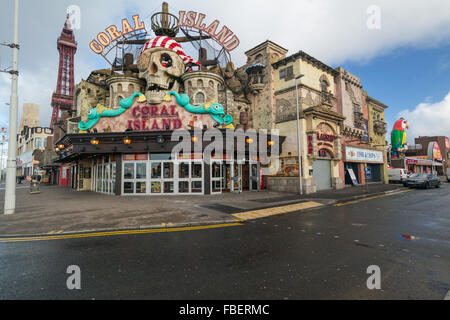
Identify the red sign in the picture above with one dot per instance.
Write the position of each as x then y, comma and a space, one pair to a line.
310, 145
155, 118
135, 157
326, 137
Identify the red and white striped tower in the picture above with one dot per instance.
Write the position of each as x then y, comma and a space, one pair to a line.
62, 98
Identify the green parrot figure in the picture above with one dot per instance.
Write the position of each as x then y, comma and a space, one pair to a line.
398, 135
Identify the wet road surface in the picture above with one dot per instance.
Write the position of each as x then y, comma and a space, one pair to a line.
317, 254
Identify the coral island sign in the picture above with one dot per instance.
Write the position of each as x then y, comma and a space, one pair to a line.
224, 37
112, 33
137, 114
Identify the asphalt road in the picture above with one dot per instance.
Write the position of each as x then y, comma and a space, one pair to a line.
318, 254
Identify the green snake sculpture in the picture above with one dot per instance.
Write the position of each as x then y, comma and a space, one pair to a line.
100, 111
214, 109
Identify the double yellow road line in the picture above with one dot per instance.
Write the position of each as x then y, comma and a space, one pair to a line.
370, 198
115, 233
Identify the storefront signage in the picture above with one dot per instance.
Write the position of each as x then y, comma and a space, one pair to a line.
326, 137
155, 118
352, 176
224, 37
363, 155
434, 151
135, 157
447, 143
310, 145
113, 32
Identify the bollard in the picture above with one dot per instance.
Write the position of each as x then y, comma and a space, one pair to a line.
34, 187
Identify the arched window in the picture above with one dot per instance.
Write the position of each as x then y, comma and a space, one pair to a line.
324, 86
199, 98
118, 101
199, 83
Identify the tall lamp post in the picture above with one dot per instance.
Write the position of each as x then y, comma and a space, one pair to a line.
300, 168
10, 193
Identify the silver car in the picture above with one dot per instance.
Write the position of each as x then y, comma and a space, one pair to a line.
423, 180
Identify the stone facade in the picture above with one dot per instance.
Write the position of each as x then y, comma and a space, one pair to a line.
262, 94
120, 87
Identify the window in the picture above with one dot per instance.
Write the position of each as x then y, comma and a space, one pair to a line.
287, 73
324, 86
45, 143
38, 143
199, 98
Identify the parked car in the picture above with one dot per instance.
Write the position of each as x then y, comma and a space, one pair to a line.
423, 180
448, 174
397, 175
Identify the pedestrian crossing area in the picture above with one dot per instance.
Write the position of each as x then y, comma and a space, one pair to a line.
263, 213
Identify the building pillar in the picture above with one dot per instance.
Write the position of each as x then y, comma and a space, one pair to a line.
119, 158
362, 173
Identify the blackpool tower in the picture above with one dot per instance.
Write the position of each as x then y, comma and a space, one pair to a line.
62, 98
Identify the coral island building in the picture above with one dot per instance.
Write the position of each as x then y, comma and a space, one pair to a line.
119, 133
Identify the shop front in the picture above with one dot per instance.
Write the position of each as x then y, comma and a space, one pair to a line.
323, 150
149, 167
320, 149
363, 165
418, 164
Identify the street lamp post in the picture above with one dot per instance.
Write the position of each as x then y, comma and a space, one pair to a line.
10, 193
300, 168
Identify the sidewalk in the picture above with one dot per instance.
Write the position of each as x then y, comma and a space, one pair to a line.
59, 210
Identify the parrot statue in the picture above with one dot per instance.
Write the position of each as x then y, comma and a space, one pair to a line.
398, 135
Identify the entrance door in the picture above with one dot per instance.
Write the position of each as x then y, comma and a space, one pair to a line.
216, 177
255, 177
135, 177
227, 169
168, 182
322, 174
156, 181
237, 177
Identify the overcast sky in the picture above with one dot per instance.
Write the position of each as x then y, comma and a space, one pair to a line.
405, 64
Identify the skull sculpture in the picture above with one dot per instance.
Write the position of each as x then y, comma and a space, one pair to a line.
161, 68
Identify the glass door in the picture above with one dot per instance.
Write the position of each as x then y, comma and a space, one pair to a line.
168, 177
216, 177
184, 174
237, 178
128, 178
156, 177
106, 178
227, 174
112, 180
99, 178
255, 177
197, 177
134, 178
141, 178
